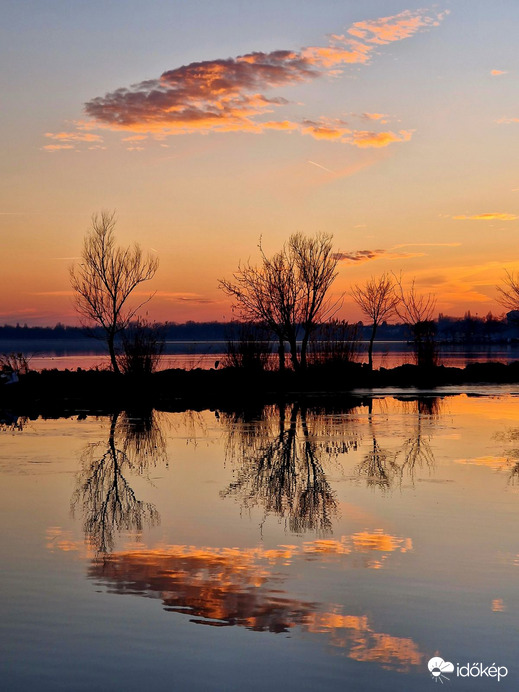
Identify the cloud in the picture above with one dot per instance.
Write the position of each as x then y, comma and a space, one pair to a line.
69, 140
183, 297
373, 116
74, 137
135, 138
359, 256
396, 28
426, 245
497, 73
490, 216
338, 130
51, 293
319, 166
227, 95
365, 138
57, 147
507, 121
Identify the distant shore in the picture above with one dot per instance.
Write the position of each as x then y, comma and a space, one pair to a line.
176, 390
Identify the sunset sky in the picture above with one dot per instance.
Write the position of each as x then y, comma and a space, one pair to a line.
209, 124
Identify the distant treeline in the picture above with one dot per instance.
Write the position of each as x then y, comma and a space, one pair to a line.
462, 330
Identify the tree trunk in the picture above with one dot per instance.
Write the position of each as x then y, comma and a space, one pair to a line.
370, 347
293, 354
111, 349
281, 354
304, 348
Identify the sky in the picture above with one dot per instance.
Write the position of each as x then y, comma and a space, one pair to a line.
209, 125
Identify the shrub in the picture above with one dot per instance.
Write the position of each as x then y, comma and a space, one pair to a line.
142, 348
335, 343
248, 346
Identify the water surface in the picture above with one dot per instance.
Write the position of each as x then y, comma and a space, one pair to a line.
188, 355
298, 547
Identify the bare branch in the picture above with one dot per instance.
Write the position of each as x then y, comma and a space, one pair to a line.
105, 278
509, 293
287, 291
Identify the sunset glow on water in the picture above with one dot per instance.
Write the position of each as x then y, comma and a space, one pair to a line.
283, 531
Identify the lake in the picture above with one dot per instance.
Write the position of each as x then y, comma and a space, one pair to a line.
90, 353
304, 546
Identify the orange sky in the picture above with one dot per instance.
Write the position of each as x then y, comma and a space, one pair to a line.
392, 127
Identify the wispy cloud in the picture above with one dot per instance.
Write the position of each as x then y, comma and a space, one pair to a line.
360, 256
489, 216
183, 297
367, 138
426, 245
50, 293
58, 147
74, 136
227, 95
135, 138
497, 73
319, 166
69, 140
393, 253
507, 121
374, 116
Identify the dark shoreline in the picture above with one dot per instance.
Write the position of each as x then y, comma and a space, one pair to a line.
180, 390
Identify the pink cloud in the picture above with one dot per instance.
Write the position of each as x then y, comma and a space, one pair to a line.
489, 216
227, 95
74, 137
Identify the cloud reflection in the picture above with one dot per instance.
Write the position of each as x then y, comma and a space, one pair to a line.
223, 587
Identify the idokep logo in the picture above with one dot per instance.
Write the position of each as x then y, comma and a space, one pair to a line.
438, 669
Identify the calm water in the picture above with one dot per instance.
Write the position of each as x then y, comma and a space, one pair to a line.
295, 548
85, 354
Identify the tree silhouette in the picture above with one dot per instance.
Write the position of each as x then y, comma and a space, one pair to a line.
377, 300
416, 311
508, 293
105, 278
287, 292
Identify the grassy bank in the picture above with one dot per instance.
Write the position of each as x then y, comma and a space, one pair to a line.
198, 389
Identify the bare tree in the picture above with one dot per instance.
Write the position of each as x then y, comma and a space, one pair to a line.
315, 268
265, 294
288, 291
509, 292
105, 278
416, 310
377, 299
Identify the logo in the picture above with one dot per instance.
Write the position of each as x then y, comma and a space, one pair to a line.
438, 667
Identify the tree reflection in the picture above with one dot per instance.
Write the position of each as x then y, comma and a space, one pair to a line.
382, 467
512, 453
377, 466
279, 455
416, 452
108, 502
